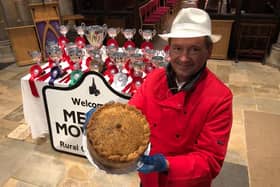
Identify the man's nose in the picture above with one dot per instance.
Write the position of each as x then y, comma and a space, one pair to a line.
184, 56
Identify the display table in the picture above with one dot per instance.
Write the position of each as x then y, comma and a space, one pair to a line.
33, 107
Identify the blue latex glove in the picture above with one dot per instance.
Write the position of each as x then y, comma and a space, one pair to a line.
155, 163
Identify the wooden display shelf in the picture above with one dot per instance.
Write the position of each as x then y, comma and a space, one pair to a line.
45, 11
23, 40
223, 28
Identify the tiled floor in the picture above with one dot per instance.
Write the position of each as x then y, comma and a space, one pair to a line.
30, 163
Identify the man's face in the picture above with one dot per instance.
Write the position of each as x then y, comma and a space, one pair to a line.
187, 56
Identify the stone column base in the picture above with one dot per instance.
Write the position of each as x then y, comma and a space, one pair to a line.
6, 53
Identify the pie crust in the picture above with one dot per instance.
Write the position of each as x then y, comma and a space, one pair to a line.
117, 135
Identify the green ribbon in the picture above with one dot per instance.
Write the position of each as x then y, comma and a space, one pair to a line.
75, 76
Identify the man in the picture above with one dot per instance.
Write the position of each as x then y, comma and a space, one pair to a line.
188, 109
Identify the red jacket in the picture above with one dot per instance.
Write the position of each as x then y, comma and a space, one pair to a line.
191, 128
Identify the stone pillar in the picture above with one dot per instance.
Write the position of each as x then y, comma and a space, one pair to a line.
274, 56
66, 7
6, 53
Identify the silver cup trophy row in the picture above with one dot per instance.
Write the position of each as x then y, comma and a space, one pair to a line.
96, 34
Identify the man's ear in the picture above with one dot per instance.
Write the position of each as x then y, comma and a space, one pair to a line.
210, 51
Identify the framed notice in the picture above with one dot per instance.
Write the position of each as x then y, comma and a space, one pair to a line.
66, 109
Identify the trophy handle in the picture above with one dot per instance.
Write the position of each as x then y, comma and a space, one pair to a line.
154, 32
140, 31
118, 29
105, 28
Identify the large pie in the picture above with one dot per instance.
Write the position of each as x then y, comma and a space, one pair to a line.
117, 135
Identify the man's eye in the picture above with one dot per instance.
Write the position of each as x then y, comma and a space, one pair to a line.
176, 49
194, 50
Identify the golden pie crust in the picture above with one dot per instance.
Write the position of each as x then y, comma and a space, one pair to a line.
117, 134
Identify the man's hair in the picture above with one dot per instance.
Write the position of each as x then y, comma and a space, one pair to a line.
208, 42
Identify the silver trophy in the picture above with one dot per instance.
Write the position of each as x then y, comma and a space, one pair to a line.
80, 29
128, 33
147, 34
63, 29
96, 63
158, 61
138, 68
76, 54
96, 34
54, 52
36, 56
119, 59
113, 32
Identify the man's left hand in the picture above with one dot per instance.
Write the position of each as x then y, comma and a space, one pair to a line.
155, 163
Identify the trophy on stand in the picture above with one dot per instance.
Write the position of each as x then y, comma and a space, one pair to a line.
158, 61
80, 40
132, 57
54, 53
147, 35
62, 40
148, 55
36, 57
129, 34
55, 57
75, 54
95, 35
121, 77
94, 61
138, 74
112, 33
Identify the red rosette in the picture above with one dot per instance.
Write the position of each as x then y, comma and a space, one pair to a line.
132, 87
129, 44
110, 72
147, 45
62, 41
146, 60
112, 42
80, 42
34, 71
166, 48
108, 62
149, 67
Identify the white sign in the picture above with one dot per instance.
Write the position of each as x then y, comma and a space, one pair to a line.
66, 109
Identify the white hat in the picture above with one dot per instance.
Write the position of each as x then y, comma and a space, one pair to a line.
190, 23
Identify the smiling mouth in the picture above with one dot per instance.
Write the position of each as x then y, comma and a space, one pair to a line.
184, 65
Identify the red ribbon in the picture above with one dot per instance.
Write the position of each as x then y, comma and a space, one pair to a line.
88, 62
34, 71
110, 72
132, 87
